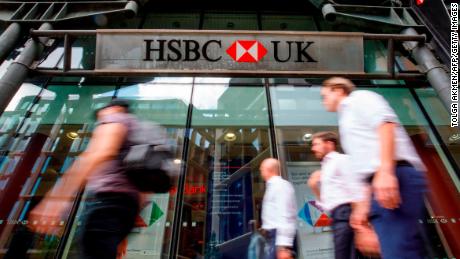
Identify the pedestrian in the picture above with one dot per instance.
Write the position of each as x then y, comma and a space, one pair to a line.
382, 155
336, 191
279, 213
113, 213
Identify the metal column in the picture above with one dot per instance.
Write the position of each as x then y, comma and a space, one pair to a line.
437, 75
8, 40
18, 70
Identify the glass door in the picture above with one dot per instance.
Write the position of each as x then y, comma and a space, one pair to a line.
223, 192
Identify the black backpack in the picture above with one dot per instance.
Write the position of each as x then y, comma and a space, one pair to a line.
149, 162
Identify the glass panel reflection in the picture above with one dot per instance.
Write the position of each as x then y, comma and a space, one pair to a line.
56, 132
441, 119
164, 101
223, 189
230, 21
298, 113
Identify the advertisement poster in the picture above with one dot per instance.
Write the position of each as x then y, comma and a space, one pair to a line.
146, 240
314, 225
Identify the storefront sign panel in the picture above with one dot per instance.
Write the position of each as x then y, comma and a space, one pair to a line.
228, 51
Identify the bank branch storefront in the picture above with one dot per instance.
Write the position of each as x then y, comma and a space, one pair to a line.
229, 99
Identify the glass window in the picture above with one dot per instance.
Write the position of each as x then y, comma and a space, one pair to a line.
57, 131
83, 55
441, 119
14, 114
228, 137
223, 190
132, 23
230, 21
164, 101
276, 22
298, 113
172, 21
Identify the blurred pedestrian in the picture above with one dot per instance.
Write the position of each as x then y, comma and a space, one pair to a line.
279, 213
112, 215
383, 156
335, 188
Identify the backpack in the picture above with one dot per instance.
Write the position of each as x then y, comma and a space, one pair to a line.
148, 162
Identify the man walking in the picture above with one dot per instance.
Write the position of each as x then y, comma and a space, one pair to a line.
279, 212
116, 204
382, 155
335, 189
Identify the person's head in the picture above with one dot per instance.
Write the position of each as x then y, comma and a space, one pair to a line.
334, 90
323, 143
269, 167
114, 106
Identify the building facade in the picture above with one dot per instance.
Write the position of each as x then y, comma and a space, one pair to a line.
224, 117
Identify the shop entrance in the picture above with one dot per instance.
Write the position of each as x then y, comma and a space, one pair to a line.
222, 129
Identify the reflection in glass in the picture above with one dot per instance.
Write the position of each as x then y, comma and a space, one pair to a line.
164, 101
38, 156
172, 21
276, 22
441, 119
230, 21
297, 113
223, 189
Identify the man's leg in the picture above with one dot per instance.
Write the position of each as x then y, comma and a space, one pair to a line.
107, 224
398, 229
343, 233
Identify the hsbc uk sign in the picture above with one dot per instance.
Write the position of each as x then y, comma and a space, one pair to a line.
182, 51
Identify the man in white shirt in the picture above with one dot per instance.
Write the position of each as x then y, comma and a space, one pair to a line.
336, 190
383, 156
279, 212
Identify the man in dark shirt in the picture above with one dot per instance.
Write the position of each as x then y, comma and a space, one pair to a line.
116, 205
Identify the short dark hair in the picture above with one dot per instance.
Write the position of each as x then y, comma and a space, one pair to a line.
327, 136
115, 102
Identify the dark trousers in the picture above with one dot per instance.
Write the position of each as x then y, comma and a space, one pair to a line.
399, 230
344, 245
270, 244
108, 221
270, 250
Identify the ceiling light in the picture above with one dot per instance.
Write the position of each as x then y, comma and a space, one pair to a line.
177, 161
230, 136
72, 135
307, 137
454, 137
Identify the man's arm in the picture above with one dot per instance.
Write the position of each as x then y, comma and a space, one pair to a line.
385, 184
313, 183
285, 232
104, 145
286, 204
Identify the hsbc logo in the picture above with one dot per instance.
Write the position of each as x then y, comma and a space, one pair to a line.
246, 51
241, 51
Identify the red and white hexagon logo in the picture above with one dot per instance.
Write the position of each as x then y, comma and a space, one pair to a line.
246, 51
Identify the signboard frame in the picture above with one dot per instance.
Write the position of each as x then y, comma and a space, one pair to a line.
108, 61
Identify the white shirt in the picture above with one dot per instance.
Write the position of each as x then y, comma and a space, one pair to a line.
279, 210
360, 115
338, 184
